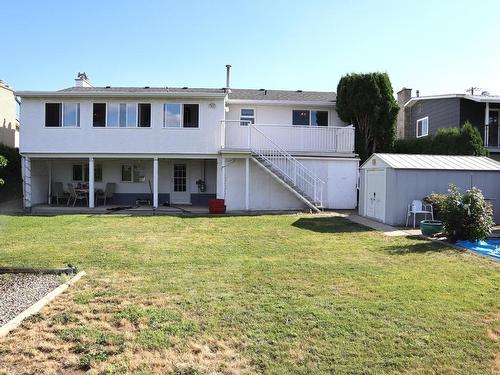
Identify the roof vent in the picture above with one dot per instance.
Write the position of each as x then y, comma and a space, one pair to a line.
485, 93
299, 90
146, 87
185, 88
108, 87
265, 92
262, 89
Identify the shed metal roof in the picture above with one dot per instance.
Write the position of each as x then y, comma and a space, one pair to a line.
437, 162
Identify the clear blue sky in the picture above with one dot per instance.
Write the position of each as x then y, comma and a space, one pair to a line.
435, 46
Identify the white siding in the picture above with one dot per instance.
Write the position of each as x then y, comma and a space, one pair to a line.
267, 194
36, 138
279, 114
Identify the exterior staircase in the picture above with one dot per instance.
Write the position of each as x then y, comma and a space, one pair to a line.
286, 169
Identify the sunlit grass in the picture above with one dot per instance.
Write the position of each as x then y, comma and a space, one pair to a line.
261, 294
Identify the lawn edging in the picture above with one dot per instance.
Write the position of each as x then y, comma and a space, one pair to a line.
39, 305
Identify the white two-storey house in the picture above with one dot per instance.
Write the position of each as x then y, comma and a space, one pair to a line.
256, 149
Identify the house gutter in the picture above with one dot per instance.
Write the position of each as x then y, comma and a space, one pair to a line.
119, 94
283, 102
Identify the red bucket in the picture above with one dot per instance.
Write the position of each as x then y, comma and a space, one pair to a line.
216, 206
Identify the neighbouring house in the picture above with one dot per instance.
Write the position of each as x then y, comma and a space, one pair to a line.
389, 182
420, 116
9, 123
258, 149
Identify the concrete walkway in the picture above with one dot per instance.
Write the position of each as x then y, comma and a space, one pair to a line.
384, 228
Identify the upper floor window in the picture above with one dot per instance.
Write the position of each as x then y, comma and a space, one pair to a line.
99, 115
144, 118
247, 116
422, 127
180, 115
123, 115
62, 114
307, 117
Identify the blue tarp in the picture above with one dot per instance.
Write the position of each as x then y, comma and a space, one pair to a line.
489, 248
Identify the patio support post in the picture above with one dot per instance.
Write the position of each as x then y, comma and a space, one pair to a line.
221, 177
27, 181
155, 183
247, 184
49, 167
91, 183
486, 123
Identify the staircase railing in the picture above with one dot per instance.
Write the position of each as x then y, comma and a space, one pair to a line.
289, 168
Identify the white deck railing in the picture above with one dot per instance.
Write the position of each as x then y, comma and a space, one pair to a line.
291, 138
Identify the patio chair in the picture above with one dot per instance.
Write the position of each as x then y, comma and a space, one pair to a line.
418, 207
107, 193
75, 195
58, 192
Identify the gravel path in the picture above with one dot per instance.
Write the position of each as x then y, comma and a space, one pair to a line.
19, 291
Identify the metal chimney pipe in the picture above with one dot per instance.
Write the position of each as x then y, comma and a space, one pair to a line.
228, 77
418, 93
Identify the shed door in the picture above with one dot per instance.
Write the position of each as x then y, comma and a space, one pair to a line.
375, 194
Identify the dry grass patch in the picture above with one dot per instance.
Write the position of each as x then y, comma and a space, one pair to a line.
100, 327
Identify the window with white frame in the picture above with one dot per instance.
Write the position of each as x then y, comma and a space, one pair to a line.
176, 115
304, 117
422, 127
247, 116
81, 172
123, 115
62, 114
133, 173
99, 115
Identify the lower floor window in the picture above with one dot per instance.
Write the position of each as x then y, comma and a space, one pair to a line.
133, 173
81, 172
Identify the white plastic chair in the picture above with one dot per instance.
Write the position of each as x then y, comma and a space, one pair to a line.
418, 207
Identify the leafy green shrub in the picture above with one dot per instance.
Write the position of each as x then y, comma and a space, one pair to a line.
466, 216
447, 141
437, 201
10, 173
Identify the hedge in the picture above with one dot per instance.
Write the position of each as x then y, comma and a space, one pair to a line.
11, 174
447, 141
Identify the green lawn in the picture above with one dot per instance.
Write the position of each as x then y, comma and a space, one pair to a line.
261, 294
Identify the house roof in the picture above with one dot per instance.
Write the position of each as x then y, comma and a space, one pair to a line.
285, 95
475, 98
235, 95
127, 91
435, 162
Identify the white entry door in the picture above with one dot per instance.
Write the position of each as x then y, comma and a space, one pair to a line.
180, 184
375, 194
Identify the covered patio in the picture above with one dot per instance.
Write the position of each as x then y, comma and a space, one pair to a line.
106, 184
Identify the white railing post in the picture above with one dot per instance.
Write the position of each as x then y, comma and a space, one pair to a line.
223, 134
249, 139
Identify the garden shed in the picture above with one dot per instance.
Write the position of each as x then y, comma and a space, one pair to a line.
389, 182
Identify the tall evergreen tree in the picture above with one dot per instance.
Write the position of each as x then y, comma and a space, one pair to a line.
367, 101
